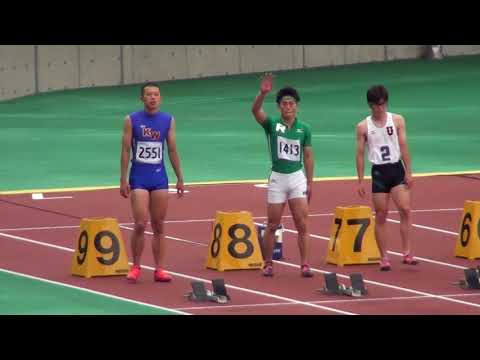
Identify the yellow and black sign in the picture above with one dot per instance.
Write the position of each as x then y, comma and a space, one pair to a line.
468, 241
234, 243
352, 237
100, 250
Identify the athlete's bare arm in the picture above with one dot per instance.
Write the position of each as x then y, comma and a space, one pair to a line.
266, 86
125, 157
399, 122
174, 158
309, 163
360, 155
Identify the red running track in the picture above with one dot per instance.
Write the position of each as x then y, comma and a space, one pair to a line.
30, 230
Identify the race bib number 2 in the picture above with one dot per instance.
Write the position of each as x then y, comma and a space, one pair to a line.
149, 152
288, 149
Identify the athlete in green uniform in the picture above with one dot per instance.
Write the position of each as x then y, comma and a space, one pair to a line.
290, 145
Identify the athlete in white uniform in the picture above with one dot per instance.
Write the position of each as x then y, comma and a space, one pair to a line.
384, 134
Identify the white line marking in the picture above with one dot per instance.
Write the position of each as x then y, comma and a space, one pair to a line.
93, 291
209, 220
427, 227
39, 196
323, 302
174, 191
388, 286
198, 279
168, 237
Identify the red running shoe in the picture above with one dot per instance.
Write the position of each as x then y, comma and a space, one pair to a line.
409, 260
134, 273
306, 271
161, 275
385, 265
268, 269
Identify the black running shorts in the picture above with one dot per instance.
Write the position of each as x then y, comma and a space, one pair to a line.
387, 176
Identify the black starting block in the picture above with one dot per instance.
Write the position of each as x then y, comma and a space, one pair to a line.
201, 294
333, 287
472, 279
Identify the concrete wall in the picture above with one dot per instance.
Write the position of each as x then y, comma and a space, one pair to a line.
154, 63
323, 55
58, 67
259, 58
27, 69
395, 52
17, 71
211, 60
364, 53
454, 50
100, 65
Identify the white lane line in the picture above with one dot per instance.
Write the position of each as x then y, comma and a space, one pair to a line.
337, 301
427, 228
255, 217
197, 278
39, 196
168, 237
203, 244
412, 291
94, 292
390, 252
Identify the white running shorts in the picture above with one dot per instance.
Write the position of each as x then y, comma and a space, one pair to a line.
283, 187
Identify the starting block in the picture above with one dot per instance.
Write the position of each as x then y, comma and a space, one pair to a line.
201, 294
333, 287
472, 279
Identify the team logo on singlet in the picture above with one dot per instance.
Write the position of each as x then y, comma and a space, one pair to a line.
150, 133
389, 130
280, 127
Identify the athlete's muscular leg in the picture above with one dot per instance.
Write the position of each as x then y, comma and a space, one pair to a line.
274, 214
401, 196
158, 212
139, 199
380, 203
299, 210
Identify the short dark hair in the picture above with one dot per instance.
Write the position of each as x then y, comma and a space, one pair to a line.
149, 84
287, 91
377, 93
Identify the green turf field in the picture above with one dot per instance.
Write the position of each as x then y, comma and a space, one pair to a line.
21, 295
72, 138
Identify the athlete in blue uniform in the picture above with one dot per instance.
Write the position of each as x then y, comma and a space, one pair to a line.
144, 135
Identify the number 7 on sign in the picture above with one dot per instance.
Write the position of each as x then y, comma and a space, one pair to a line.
357, 245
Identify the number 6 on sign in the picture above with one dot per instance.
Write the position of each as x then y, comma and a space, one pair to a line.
468, 242
100, 250
353, 244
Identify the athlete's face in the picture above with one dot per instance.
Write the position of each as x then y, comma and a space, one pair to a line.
288, 109
379, 108
151, 98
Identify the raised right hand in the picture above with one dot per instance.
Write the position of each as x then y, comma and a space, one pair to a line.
266, 84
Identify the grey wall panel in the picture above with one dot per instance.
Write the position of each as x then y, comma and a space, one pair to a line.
127, 59
395, 52
258, 58
211, 60
158, 62
454, 50
58, 67
364, 53
17, 71
297, 54
100, 65
324, 55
